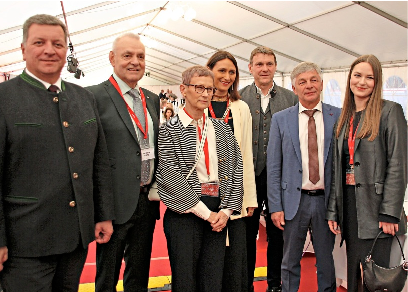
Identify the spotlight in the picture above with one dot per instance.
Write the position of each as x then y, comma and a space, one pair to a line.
78, 73
72, 64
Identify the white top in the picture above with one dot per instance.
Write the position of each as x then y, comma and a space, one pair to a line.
303, 140
46, 84
265, 98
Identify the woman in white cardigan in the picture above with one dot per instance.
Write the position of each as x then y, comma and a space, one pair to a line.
227, 106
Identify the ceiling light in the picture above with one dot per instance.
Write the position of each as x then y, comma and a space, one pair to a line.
177, 13
190, 14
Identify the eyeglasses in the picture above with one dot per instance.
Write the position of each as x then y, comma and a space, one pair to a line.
201, 88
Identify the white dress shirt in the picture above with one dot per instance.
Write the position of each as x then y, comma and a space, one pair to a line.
46, 84
265, 98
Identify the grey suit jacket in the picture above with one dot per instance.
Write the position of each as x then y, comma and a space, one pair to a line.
282, 99
55, 181
285, 161
123, 146
380, 173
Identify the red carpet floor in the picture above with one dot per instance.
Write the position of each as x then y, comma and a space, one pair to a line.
160, 264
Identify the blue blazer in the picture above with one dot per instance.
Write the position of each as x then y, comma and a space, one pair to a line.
284, 160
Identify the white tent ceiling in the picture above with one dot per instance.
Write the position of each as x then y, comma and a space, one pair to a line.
329, 33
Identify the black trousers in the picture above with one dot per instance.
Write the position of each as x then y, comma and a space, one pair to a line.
133, 242
196, 252
356, 248
275, 237
54, 273
235, 276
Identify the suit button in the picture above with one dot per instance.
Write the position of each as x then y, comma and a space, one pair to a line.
55, 99
75, 175
65, 124
357, 164
257, 112
264, 153
255, 142
298, 189
225, 177
256, 127
265, 132
264, 139
71, 149
258, 95
300, 170
264, 118
220, 179
220, 160
138, 153
72, 204
264, 125
138, 176
358, 185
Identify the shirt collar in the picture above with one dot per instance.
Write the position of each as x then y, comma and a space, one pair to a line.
258, 90
186, 120
318, 107
46, 84
124, 88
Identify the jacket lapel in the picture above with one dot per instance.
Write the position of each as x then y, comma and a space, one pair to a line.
152, 111
360, 124
293, 125
328, 121
121, 108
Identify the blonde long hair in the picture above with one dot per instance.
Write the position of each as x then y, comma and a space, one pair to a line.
371, 122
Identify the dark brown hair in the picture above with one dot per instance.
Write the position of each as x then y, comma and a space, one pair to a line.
221, 55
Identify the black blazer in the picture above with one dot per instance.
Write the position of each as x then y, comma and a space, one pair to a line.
123, 146
380, 174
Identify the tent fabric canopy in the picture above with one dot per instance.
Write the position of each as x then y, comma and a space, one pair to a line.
329, 33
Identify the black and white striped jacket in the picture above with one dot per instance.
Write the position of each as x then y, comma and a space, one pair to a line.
177, 150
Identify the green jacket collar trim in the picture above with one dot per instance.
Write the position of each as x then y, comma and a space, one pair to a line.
27, 78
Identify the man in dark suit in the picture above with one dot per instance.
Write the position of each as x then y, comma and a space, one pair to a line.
130, 119
55, 180
299, 175
264, 99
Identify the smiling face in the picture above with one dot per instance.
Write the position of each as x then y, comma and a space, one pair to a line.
169, 114
224, 75
197, 102
45, 51
128, 60
263, 68
362, 81
307, 87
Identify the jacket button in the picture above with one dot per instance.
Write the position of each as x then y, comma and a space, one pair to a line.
256, 142
264, 125
225, 177
298, 189
358, 185
72, 204
55, 99
75, 175
256, 127
220, 160
138, 153
265, 132
138, 176
220, 179
65, 124
258, 95
264, 118
357, 164
257, 112
71, 149
300, 170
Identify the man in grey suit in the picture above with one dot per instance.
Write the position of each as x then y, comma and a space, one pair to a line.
299, 176
264, 99
130, 120
55, 180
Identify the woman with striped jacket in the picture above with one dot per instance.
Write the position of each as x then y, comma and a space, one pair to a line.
200, 180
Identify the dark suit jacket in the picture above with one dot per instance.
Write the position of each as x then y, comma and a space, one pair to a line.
54, 168
284, 165
380, 173
282, 99
123, 146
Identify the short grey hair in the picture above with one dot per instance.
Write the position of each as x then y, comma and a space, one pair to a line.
198, 71
128, 34
261, 50
304, 67
43, 19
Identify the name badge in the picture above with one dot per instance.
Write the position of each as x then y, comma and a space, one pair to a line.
210, 189
147, 154
350, 179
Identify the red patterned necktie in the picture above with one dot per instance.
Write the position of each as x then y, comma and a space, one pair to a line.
314, 176
53, 88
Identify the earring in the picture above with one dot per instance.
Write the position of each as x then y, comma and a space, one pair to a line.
232, 87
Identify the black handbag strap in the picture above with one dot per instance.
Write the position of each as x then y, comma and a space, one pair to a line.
375, 240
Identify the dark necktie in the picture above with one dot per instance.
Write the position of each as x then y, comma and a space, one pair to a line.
53, 88
314, 176
139, 112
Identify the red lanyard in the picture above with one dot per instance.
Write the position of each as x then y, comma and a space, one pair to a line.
131, 112
352, 140
206, 154
226, 116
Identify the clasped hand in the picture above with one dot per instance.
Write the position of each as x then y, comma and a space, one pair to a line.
218, 221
